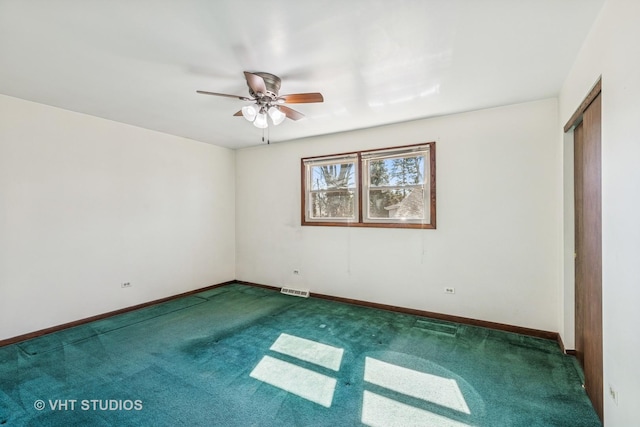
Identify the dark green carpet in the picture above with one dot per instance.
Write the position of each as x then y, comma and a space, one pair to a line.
244, 356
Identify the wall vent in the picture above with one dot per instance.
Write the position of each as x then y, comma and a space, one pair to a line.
304, 293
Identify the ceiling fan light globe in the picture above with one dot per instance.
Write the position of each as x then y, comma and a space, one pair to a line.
249, 112
276, 115
261, 121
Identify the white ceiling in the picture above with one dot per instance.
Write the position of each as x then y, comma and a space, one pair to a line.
375, 61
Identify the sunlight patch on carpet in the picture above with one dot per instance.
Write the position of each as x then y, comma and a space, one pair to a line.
430, 388
309, 351
300, 381
380, 411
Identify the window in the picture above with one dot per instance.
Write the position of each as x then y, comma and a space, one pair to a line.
331, 188
393, 187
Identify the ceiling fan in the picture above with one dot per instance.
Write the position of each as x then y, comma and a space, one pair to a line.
263, 91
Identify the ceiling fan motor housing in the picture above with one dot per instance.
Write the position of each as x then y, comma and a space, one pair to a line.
271, 82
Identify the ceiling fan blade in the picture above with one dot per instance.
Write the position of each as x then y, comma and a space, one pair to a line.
242, 98
239, 113
291, 113
301, 98
255, 82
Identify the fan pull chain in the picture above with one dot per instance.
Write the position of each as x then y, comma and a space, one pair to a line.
268, 139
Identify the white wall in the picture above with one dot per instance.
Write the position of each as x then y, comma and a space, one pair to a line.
86, 204
499, 218
611, 50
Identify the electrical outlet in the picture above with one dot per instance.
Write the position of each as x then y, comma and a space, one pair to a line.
296, 272
613, 394
126, 284
449, 290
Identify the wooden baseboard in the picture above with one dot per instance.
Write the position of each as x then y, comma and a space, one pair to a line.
554, 336
463, 320
57, 328
565, 350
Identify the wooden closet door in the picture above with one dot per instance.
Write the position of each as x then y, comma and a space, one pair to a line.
588, 242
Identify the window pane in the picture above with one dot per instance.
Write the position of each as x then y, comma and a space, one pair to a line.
406, 170
332, 191
333, 176
384, 203
396, 187
332, 204
399, 204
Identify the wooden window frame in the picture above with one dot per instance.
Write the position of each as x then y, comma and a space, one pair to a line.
360, 189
